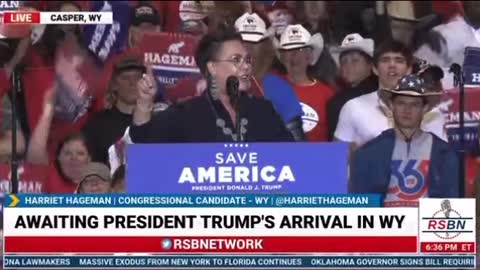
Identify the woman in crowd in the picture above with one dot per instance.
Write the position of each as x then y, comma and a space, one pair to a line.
72, 154
214, 116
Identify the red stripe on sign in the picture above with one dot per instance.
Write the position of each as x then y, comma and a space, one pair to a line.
166, 244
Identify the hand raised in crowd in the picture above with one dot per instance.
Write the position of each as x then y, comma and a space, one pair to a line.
49, 100
146, 90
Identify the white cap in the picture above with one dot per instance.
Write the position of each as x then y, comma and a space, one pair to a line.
296, 37
251, 27
357, 42
195, 10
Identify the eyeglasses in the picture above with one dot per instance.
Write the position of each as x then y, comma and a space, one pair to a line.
238, 60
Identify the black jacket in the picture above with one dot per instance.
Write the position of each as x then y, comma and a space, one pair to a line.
335, 104
105, 129
195, 121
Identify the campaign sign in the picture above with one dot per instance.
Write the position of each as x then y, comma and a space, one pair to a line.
471, 66
471, 118
106, 40
451, 106
31, 178
301, 168
171, 57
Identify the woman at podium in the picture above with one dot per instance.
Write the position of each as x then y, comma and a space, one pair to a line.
223, 113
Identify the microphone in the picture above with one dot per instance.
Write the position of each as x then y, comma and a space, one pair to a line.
446, 208
232, 89
459, 81
456, 69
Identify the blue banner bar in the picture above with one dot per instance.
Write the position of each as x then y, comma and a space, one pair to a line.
257, 262
237, 168
125, 200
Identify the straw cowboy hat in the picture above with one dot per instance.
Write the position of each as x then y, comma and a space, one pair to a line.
297, 37
408, 11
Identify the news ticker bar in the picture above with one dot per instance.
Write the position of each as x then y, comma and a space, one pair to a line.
154, 200
35, 17
244, 262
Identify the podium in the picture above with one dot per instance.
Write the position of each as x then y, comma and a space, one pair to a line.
237, 168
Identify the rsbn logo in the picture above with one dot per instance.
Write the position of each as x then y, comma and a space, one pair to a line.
447, 223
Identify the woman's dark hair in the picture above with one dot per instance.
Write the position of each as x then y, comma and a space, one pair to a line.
211, 44
72, 137
393, 46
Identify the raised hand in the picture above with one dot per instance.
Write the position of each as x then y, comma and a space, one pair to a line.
147, 89
49, 100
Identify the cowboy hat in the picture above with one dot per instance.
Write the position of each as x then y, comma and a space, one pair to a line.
408, 11
355, 42
297, 37
413, 86
252, 28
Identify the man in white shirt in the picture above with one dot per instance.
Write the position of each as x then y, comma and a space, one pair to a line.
456, 35
365, 117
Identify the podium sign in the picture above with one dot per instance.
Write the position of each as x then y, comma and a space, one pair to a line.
227, 168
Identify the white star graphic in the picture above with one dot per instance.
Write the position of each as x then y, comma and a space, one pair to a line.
411, 84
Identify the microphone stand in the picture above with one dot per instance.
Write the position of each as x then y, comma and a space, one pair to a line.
16, 87
459, 80
234, 95
238, 126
